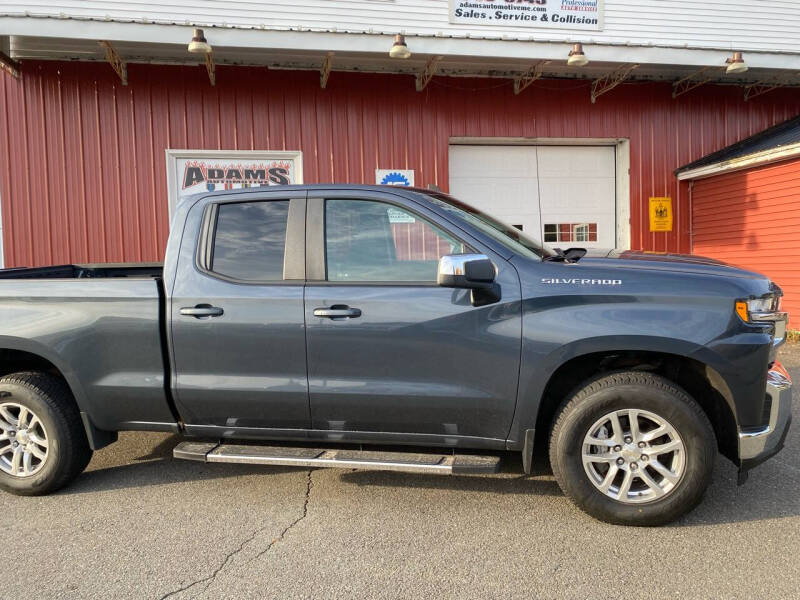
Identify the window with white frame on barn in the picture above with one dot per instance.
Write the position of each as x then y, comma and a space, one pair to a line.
570, 232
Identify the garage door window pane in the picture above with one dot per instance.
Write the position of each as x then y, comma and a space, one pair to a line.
249, 240
375, 241
580, 232
570, 232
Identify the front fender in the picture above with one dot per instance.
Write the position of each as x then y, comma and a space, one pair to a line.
733, 364
574, 310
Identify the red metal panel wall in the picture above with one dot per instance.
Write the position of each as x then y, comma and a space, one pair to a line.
84, 177
751, 219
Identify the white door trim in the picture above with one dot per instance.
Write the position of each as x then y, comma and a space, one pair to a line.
623, 163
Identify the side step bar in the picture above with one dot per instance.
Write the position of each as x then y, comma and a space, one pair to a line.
443, 464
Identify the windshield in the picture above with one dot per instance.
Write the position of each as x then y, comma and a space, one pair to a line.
507, 235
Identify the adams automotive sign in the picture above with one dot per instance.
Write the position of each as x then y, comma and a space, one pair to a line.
193, 171
542, 14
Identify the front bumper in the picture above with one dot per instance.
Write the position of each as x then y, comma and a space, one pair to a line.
756, 446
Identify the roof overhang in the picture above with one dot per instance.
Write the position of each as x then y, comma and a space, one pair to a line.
757, 159
77, 39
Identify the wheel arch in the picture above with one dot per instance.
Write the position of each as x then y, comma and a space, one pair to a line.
18, 355
700, 380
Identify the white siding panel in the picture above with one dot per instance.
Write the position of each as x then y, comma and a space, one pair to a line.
748, 25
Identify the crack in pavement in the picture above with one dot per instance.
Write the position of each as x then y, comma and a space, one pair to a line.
209, 581
309, 485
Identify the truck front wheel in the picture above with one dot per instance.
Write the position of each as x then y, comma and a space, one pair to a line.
43, 445
633, 448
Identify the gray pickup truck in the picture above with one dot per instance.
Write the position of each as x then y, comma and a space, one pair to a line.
398, 329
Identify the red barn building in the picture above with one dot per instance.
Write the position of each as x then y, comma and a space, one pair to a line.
109, 111
745, 207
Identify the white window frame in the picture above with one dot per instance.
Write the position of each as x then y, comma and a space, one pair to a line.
580, 229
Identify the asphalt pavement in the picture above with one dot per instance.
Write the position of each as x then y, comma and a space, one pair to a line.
139, 524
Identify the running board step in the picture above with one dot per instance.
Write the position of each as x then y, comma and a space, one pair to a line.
444, 464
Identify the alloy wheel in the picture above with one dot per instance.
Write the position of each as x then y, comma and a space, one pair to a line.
633, 456
23, 441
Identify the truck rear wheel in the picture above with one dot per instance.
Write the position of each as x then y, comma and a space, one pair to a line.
43, 445
633, 448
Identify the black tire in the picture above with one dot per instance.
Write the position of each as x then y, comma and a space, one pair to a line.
68, 452
632, 390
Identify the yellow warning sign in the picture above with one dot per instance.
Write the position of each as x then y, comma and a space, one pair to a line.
660, 214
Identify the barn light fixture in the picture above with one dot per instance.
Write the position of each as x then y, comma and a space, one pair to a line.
199, 45
576, 56
736, 64
399, 48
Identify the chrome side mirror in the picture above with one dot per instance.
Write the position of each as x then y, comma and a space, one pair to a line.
471, 272
468, 271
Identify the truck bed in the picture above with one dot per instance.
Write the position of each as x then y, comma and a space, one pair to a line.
102, 326
94, 271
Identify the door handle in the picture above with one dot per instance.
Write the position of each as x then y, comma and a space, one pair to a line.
338, 311
202, 310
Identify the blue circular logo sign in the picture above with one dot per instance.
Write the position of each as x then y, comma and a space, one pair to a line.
395, 178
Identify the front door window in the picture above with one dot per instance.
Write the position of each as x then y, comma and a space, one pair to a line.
376, 242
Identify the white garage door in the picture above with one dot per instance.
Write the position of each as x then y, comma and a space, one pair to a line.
572, 188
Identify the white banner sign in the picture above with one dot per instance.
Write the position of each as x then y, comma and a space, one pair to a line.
194, 171
542, 14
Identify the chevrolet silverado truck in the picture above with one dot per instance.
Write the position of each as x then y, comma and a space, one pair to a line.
397, 329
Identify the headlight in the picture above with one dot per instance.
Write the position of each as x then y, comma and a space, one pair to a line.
758, 305
760, 309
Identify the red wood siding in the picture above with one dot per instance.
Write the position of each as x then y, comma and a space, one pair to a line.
752, 219
84, 179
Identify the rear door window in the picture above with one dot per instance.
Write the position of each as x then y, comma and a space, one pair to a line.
249, 240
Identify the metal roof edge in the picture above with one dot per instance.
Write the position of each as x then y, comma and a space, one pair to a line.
757, 159
373, 32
